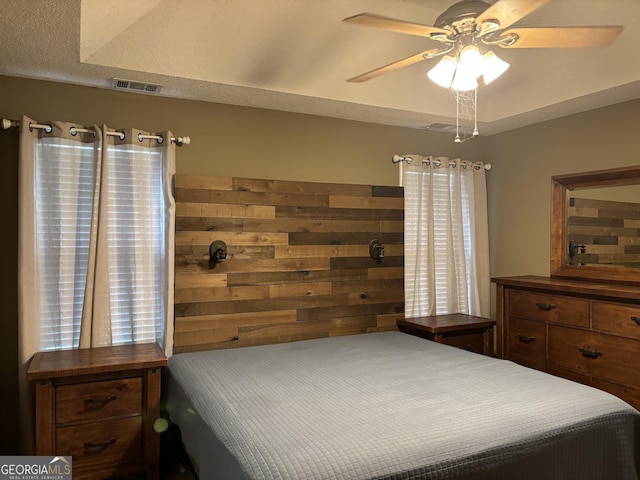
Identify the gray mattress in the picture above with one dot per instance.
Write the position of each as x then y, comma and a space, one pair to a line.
392, 406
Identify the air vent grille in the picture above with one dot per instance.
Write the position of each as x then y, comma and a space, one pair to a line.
441, 127
131, 85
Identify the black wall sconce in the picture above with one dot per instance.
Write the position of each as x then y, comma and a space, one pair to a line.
376, 250
576, 249
217, 253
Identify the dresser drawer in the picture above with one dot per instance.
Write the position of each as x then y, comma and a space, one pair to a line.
527, 341
595, 354
98, 400
615, 318
549, 308
110, 441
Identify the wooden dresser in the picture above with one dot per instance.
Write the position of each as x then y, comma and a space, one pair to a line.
584, 331
98, 405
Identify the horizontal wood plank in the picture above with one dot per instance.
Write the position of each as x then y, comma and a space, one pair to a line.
185, 265
233, 238
320, 225
200, 280
344, 238
300, 289
183, 180
387, 191
204, 336
339, 213
260, 278
337, 201
184, 209
251, 198
394, 284
308, 188
210, 224
311, 251
386, 273
211, 322
220, 294
365, 261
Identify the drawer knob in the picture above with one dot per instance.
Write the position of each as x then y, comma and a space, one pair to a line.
635, 319
101, 445
590, 353
525, 338
545, 307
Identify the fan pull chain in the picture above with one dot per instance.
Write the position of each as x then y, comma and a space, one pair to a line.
475, 113
457, 139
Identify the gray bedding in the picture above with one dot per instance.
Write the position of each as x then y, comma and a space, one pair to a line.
392, 406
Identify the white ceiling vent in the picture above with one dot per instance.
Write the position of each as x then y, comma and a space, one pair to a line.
441, 127
132, 85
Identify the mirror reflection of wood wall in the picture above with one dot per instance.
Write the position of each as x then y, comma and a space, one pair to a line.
603, 232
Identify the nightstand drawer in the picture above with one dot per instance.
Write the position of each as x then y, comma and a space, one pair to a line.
112, 441
473, 342
549, 308
98, 400
594, 354
621, 319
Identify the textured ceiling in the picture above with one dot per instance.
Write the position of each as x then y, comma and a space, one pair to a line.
295, 55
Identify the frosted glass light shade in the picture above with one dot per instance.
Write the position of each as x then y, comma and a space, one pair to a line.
442, 73
463, 81
469, 69
471, 61
492, 67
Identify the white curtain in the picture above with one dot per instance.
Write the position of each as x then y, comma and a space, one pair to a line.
446, 238
96, 239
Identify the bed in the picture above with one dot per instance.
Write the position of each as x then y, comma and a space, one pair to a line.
389, 405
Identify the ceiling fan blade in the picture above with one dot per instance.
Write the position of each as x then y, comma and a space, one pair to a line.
508, 12
394, 25
563, 37
405, 62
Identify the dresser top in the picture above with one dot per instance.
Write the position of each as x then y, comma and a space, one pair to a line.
83, 361
622, 291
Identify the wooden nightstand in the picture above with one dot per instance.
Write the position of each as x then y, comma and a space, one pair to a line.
98, 405
463, 331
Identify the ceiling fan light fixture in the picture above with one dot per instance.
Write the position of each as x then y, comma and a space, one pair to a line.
493, 66
442, 73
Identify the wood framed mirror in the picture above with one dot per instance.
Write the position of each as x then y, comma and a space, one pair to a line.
595, 225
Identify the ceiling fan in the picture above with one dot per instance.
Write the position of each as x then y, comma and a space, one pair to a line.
473, 22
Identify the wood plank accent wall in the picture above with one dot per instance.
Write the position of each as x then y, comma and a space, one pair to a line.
610, 231
297, 266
